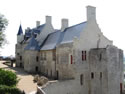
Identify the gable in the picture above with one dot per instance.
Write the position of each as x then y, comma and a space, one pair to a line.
91, 37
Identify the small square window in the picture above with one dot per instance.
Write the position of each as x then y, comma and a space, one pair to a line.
18, 54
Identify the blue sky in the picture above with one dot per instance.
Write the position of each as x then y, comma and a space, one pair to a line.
110, 17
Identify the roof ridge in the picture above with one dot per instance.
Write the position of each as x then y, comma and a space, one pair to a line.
37, 27
54, 32
75, 25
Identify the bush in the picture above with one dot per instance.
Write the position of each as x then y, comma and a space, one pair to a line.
42, 81
8, 78
9, 90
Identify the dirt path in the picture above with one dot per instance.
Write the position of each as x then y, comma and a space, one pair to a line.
26, 80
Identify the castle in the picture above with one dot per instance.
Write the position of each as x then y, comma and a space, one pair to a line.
80, 56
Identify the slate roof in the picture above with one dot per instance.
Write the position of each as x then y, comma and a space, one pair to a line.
20, 31
54, 38
59, 37
28, 34
51, 41
34, 30
71, 32
39, 28
33, 45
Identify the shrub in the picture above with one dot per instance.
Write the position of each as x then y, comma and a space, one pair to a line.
8, 78
9, 90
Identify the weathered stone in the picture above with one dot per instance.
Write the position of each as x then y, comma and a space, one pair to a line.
36, 78
42, 81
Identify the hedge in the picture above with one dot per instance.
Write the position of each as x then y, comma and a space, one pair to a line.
8, 78
9, 90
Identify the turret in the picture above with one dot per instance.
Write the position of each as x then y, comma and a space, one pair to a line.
20, 35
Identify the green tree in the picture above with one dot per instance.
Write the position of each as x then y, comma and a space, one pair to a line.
3, 25
8, 78
8, 82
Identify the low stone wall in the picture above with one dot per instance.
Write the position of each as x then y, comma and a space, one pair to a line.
40, 91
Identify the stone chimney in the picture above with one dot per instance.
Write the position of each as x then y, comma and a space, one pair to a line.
64, 23
48, 19
37, 23
91, 13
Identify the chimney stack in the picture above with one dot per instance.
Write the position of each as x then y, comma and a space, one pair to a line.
48, 19
91, 13
64, 24
37, 23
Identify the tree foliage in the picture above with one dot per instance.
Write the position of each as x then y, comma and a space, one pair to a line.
8, 78
3, 25
8, 82
9, 90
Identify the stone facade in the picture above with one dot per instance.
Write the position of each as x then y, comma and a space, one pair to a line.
79, 56
31, 61
47, 63
101, 74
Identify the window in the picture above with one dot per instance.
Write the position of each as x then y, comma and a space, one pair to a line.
37, 58
20, 57
44, 55
83, 55
100, 57
54, 55
71, 59
100, 75
92, 75
18, 54
121, 88
57, 59
81, 79
36, 68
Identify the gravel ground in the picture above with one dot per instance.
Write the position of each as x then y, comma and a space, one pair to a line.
26, 80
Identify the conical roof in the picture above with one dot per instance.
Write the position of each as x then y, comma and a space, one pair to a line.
20, 31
